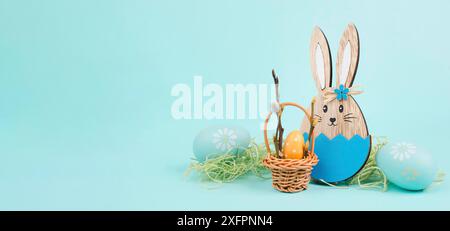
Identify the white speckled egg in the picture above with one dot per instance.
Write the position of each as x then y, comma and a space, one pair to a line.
218, 140
407, 165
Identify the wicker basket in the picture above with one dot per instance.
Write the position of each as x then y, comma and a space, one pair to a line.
290, 175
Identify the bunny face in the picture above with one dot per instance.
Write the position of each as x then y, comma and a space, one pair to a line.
339, 117
336, 110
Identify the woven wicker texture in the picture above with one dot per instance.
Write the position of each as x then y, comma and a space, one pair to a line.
290, 175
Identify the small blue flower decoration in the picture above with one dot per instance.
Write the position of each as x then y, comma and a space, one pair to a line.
341, 93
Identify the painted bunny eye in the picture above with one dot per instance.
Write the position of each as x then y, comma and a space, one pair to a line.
341, 108
325, 108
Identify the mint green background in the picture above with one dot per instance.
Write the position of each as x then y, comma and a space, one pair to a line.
85, 119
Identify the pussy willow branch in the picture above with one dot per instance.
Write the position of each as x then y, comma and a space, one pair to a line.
278, 140
312, 123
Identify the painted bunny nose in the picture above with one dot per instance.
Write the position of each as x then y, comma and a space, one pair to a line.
332, 120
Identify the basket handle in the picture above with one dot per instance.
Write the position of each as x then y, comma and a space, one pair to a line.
282, 105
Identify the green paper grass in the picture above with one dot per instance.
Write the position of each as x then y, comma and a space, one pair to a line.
228, 167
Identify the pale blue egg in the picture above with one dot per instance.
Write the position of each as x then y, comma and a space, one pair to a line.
407, 165
218, 140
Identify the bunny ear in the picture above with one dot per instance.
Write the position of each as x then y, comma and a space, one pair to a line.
347, 56
320, 59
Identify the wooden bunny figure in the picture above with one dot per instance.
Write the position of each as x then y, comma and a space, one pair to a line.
342, 140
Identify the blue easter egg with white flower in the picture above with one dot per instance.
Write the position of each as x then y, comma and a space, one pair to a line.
407, 165
218, 140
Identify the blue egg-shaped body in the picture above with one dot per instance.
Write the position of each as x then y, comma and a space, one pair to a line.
340, 158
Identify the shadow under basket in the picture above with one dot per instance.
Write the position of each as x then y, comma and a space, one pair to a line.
290, 175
